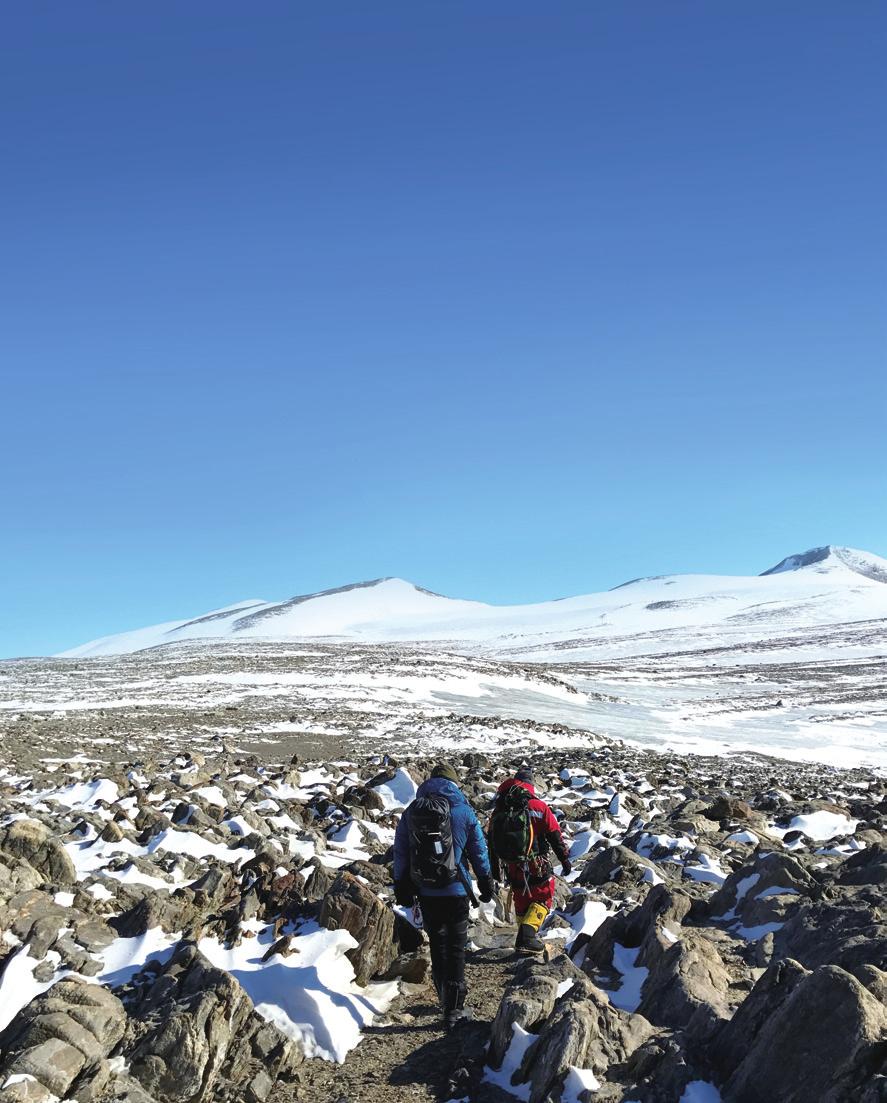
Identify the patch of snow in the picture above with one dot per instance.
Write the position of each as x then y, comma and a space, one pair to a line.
700, 1091
628, 996
776, 890
212, 794
309, 995
707, 870
398, 792
85, 794
576, 1082
127, 956
521, 1040
821, 826
18, 986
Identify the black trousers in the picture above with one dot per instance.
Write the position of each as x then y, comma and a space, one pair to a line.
446, 922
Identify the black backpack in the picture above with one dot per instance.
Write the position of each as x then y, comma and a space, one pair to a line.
511, 828
432, 857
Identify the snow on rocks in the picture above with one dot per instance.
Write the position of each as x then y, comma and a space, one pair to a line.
246, 905
700, 895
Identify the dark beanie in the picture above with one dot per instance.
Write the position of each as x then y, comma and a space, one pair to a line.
524, 774
444, 769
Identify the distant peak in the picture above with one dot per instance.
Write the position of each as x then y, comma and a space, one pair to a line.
862, 563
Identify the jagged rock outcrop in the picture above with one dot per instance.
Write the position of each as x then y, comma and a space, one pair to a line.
350, 906
808, 1035
687, 987
61, 1040
33, 842
194, 1031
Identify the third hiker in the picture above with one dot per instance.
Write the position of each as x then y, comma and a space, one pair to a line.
521, 832
436, 838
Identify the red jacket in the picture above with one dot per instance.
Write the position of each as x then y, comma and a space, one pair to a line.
546, 830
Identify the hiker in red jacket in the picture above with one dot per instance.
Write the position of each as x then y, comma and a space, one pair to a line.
522, 830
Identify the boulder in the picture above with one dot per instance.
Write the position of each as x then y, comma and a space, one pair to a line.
35, 909
730, 809
617, 864
585, 1032
350, 906
687, 987
62, 1039
753, 1015
850, 931
663, 907
529, 999
17, 875
826, 1013
766, 871
868, 867
33, 841
197, 1029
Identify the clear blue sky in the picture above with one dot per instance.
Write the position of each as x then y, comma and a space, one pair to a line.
513, 300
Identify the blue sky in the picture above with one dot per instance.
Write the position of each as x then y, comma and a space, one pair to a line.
513, 301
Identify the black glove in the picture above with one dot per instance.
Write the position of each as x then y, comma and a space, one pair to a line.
486, 887
404, 892
566, 867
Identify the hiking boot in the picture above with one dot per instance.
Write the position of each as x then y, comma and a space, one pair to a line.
455, 1011
457, 1017
528, 942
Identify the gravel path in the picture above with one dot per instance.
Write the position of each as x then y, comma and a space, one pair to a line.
408, 1058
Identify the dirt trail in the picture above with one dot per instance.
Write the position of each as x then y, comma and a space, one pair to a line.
408, 1058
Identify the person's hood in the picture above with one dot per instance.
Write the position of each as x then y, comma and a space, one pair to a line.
443, 787
510, 783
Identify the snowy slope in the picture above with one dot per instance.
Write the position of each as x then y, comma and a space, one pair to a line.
822, 587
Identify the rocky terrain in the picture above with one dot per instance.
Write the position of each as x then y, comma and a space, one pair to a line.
810, 697
217, 924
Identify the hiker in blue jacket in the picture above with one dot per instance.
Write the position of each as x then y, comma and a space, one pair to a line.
436, 839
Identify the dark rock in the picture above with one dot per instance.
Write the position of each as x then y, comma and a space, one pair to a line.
350, 906
33, 842
687, 987
730, 808
198, 1030
765, 871
585, 1031
63, 1037
850, 931
827, 1013
616, 864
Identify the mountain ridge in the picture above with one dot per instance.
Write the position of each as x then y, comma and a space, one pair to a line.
825, 585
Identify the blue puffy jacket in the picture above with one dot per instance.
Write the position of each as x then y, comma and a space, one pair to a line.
468, 839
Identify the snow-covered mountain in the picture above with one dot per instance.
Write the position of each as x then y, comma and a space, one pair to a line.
818, 588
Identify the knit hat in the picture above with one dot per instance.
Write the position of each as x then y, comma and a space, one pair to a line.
444, 769
524, 774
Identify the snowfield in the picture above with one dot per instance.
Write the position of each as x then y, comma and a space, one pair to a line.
790, 663
827, 586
